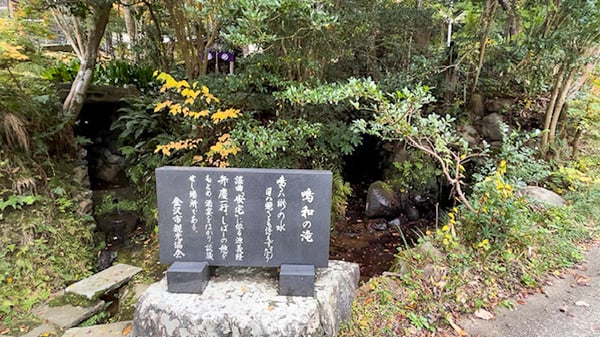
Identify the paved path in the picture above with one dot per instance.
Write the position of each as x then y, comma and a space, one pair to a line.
570, 307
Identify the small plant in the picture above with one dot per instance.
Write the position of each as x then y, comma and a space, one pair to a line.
207, 128
62, 72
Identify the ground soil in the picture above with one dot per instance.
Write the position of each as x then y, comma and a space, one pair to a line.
355, 238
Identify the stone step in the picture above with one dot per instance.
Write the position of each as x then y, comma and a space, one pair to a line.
66, 316
103, 330
45, 329
104, 281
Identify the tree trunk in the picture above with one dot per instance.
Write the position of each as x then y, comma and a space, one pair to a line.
558, 107
487, 18
131, 27
89, 52
550, 109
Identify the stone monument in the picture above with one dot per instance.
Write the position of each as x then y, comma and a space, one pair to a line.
225, 233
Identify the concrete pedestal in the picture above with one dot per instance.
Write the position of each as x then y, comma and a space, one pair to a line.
244, 302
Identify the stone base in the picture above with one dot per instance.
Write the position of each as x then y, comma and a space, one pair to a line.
244, 302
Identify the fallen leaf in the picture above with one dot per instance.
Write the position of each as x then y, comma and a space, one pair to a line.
456, 328
520, 302
583, 280
582, 304
271, 308
126, 330
483, 314
4, 331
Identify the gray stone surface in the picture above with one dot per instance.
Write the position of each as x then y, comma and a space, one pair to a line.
242, 302
104, 281
104, 330
542, 195
382, 201
244, 217
570, 307
49, 329
491, 127
67, 316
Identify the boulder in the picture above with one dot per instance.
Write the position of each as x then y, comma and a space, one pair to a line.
382, 201
542, 195
476, 106
241, 302
491, 127
470, 134
85, 207
498, 104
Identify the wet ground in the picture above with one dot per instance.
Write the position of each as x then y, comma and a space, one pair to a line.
355, 238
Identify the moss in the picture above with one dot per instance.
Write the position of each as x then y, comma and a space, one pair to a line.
72, 299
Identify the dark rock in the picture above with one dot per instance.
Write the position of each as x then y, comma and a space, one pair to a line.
118, 225
498, 104
411, 212
382, 201
106, 258
491, 127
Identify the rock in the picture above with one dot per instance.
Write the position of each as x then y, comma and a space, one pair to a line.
470, 134
85, 207
491, 127
540, 194
396, 222
112, 158
428, 250
106, 258
382, 201
118, 224
81, 176
45, 329
411, 212
104, 281
108, 172
245, 302
498, 104
377, 224
67, 316
476, 106
103, 330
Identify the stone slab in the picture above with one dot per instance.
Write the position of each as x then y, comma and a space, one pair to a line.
244, 217
104, 281
67, 316
245, 302
43, 330
103, 330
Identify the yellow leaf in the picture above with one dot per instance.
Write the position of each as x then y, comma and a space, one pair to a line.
205, 90
198, 114
9, 280
222, 115
168, 79
162, 105
183, 84
175, 109
126, 330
